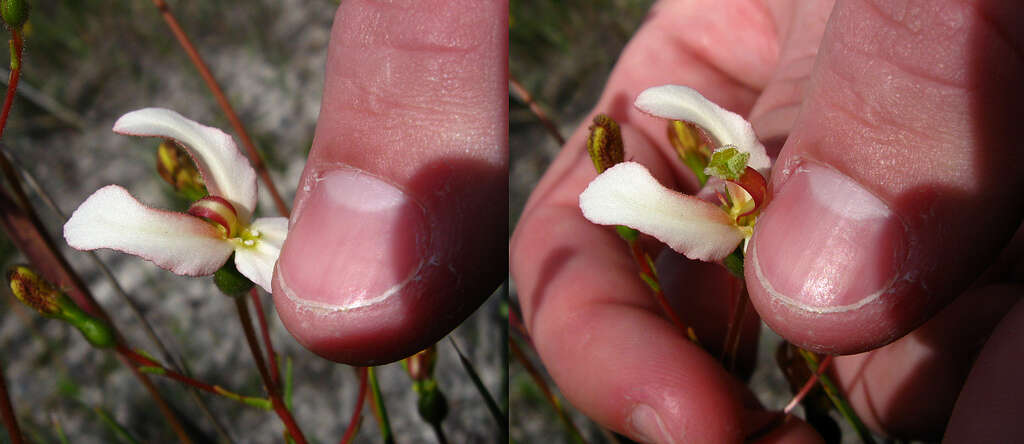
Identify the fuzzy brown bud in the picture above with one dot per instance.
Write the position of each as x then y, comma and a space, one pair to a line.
605, 143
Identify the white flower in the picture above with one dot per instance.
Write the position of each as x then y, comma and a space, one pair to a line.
193, 244
627, 194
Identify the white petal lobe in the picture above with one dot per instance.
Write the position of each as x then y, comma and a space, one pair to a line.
257, 262
112, 218
225, 170
627, 194
725, 127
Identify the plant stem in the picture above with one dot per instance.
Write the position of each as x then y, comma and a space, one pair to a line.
272, 390
353, 423
837, 398
731, 345
275, 372
12, 84
527, 98
650, 276
379, 410
143, 361
7, 412
800, 394
548, 394
218, 94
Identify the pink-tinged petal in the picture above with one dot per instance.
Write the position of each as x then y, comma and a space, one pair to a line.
257, 261
627, 194
112, 218
723, 126
226, 172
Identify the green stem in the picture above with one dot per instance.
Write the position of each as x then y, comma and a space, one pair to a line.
380, 411
500, 417
837, 398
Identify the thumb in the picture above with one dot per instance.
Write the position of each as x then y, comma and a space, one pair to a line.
898, 183
400, 220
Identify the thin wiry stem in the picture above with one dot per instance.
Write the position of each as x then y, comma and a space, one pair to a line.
357, 414
548, 394
379, 410
218, 94
524, 95
272, 390
7, 412
492, 405
275, 372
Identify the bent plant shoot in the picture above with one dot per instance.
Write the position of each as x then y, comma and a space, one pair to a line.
216, 226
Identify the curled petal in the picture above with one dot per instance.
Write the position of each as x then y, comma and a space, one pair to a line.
723, 126
112, 218
257, 261
226, 172
627, 194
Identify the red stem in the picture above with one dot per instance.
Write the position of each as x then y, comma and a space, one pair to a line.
275, 371
12, 84
799, 396
218, 94
640, 257
141, 360
272, 390
7, 411
525, 95
733, 334
353, 423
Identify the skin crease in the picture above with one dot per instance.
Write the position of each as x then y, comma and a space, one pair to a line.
415, 105
802, 72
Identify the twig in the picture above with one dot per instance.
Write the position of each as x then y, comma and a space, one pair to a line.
272, 390
275, 372
7, 411
353, 423
732, 336
524, 95
379, 410
12, 82
837, 398
218, 94
548, 394
152, 366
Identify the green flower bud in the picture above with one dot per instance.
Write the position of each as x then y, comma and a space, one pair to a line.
230, 281
432, 404
14, 12
728, 163
34, 291
176, 168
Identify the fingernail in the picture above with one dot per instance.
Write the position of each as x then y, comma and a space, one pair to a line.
647, 426
357, 240
825, 244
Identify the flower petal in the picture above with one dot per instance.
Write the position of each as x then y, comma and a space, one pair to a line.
225, 170
723, 126
112, 218
257, 262
627, 194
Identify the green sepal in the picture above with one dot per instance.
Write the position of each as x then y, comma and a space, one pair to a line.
627, 234
728, 163
734, 262
229, 281
697, 164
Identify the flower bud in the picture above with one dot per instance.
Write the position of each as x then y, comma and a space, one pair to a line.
432, 404
605, 143
690, 148
34, 291
14, 12
176, 168
421, 365
230, 282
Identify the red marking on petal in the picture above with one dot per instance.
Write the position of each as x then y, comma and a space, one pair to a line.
217, 210
755, 184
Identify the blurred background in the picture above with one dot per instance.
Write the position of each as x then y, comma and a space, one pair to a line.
88, 62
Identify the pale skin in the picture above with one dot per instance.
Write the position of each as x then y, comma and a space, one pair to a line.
911, 108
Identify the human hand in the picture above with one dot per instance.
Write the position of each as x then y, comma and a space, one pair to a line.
400, 220
913, 105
